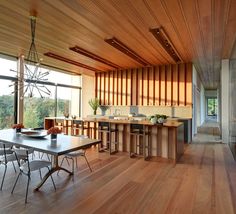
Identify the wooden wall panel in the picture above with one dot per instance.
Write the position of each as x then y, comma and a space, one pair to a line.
102, 89
181, 84
123, 88
157, 85
151, 87
140, 87
110, 88
106, 82
189, 84
175, 85
129, 88
145, 86
166, 85
163, 86
119, 91
115, 88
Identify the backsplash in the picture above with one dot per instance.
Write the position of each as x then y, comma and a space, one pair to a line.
178, 111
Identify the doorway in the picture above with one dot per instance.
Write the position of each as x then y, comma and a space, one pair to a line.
211, 108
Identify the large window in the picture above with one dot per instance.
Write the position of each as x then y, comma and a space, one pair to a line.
37, 108
212, 106
7, 101
65, 96
7, 95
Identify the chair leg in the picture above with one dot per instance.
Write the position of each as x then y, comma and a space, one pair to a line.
48, 157
61, 164
15, 183
27, 189
40, 173
67, 161
87, 162
76, 162
3, 178
14, 166
52, 180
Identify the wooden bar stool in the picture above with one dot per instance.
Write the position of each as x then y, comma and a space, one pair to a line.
104, 128
140, 146
79, 127
60, 123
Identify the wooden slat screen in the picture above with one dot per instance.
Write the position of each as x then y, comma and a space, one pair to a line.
165, 85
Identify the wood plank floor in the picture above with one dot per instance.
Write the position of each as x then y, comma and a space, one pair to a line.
204, 181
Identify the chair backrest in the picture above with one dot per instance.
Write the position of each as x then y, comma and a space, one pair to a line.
5, 145
78, 122
5, 148
104, 125
136, 128
23, 152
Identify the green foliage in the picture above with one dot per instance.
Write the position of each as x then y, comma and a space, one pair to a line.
6, 111
157, 116
35, 110
94, 103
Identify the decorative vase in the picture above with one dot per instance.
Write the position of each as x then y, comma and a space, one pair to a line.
18, 130
94, 112
53, 136
153, 120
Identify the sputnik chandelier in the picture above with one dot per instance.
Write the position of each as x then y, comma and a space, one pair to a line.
34, 78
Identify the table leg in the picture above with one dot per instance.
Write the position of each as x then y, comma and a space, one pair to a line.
54, 168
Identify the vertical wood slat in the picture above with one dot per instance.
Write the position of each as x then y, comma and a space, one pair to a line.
115, 88
163, 86
168, 86
96, 84
175, 85
137, 87
145, 87
160, 85
181, 84
151, 87
108, 85
154, 77
99, 87
111, 88
106, 88
189, 85
119, 90
157, 86
129, 88
148, 85
126, 87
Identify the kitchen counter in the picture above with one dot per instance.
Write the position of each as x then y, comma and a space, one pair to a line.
167, 139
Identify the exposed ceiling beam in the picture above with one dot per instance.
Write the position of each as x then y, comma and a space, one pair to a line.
126, 50
61, 58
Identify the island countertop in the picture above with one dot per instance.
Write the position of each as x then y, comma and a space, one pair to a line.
169, 123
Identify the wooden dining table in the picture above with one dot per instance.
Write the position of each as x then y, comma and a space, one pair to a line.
62, 145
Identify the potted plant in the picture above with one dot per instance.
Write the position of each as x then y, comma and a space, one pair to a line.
54, 131
94, 103
18, 127
157, 118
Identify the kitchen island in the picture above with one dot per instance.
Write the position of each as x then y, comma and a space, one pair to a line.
167, 139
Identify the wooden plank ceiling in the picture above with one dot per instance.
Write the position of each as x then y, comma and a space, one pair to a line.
202, 31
